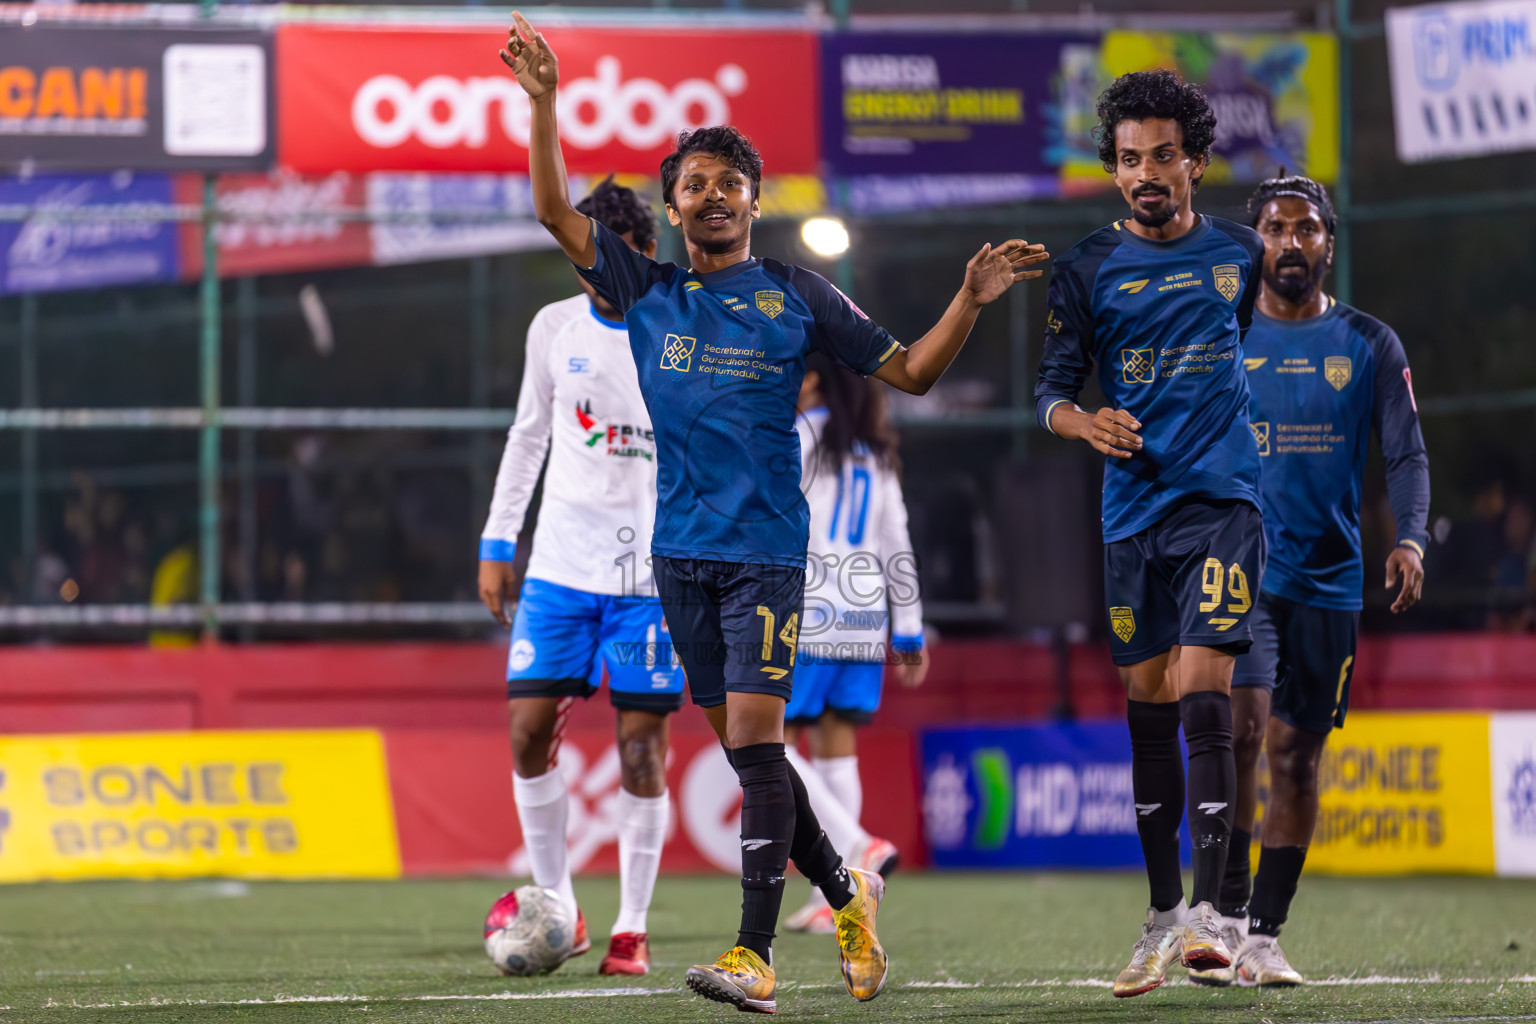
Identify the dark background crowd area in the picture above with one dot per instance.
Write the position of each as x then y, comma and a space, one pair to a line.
1004, 516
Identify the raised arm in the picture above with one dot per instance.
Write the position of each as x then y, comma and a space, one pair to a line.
989, 274
538, 72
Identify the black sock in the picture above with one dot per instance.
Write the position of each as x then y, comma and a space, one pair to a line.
767, 833
1212, 787
1237, 881
1274, 887
813, 854
1157, 787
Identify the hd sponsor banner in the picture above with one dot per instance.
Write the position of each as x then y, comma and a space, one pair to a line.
47, 252
74, 98
1513, 747
1043, 796
448, 216
161, 805
1463, 78
360, 99
1405, 792
896, 104
1275, 95
278, 223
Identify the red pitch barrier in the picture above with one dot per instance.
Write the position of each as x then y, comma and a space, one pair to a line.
441, 710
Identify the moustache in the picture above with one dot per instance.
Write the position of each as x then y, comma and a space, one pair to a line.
1148, 190
1292, 261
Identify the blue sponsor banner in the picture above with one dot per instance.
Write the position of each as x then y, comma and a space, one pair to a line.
1030, 796
918, 104
48, 253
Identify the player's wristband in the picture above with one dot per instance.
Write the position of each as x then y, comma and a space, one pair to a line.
497, 550
907, 644
1415, 545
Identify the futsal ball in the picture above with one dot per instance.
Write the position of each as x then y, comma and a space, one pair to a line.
529, 931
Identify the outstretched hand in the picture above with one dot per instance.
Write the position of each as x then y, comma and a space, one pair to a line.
530, 58
991, 272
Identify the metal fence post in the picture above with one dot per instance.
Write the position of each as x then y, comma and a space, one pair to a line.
27, 378
208, 453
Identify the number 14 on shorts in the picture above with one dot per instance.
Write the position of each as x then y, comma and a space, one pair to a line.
1218, 583
790, 635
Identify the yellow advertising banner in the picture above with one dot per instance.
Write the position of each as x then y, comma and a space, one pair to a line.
1406, 792
169, 805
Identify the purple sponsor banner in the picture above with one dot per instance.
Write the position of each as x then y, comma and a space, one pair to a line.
904, 105
48, 252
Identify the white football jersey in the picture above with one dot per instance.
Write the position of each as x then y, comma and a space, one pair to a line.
861, 587
580, 389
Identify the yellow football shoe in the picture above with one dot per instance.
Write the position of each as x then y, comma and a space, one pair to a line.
740, 978
1204, 947
1159, 947
864, 961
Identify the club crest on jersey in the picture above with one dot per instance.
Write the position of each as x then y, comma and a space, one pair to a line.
771, 303
1136, 366
1123, 621
1227, 280
677, 353
1261, 435
1337, 371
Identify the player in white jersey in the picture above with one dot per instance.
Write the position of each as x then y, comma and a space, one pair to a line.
862, 602
587, 604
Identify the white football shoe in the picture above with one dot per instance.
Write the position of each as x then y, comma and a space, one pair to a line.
815, 917
1234, 931
1159, 947
1262, 964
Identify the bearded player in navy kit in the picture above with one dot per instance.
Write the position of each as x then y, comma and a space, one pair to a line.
720, 348
1160, 302
1323, 376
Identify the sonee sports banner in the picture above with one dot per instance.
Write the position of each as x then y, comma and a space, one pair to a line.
137, 98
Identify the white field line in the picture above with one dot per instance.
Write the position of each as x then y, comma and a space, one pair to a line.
945, 983
1425, 1020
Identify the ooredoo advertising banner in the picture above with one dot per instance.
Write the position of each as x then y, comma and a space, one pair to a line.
75, 98
358, 99
174, 805
52, 251
1463, 78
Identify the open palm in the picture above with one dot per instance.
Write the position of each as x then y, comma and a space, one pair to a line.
530, 58
991, 272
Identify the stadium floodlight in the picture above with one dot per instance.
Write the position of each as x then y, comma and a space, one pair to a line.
825, 236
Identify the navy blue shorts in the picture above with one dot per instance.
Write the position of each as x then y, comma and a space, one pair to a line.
564, 641
734, 624
1306, 656
1189, 579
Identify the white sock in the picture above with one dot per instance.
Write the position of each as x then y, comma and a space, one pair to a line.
1170, 918
541, 812
843, 830
642, 833
842, 776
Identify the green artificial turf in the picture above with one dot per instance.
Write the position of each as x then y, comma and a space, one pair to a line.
993, 948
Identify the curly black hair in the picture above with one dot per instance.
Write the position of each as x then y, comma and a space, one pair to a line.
1292, 185
620, 210
723, 141
1142, 95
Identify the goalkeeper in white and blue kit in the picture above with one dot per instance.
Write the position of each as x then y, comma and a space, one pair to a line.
588, 607
863, 607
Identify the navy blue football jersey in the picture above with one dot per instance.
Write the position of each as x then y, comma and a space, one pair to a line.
720, 357
1320, 387
1164, 321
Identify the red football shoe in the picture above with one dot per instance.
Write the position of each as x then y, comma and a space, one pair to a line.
583, 942
628, 953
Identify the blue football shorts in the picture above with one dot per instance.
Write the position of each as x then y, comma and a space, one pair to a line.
564, 640
1305, 655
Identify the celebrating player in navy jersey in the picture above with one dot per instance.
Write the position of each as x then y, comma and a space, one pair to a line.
1160, 302
720, 348
1323, 377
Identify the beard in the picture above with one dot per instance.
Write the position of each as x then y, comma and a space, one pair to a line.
1296, 289
1158, 215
